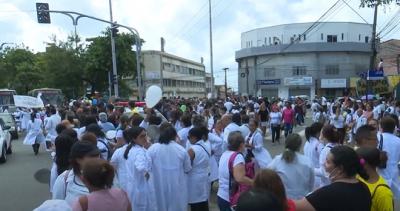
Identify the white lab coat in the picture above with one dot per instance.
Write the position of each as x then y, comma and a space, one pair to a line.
320, 172
198, 177
35, 132
69, 188
170, 163
183, 136
297, 177
50, 127
261, 155
244, 129
312, 150
216, 152
25, 119
391, 144
119, 163
140, 190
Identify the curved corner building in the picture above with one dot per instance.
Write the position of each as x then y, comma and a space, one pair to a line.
283, 61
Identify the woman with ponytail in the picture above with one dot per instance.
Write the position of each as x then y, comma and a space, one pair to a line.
118, 160
381, 194
98, 176
139, 189
346, 192
295, 169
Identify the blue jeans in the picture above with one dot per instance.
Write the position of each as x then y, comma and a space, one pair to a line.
223, 205
288, 129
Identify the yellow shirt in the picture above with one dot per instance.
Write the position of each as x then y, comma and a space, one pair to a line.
383, 197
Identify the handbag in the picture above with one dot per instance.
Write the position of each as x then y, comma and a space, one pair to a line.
235, 189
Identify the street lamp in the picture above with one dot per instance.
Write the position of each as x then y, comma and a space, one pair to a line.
226, 85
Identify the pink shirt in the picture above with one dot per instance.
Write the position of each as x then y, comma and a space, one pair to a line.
288, 115
104, 200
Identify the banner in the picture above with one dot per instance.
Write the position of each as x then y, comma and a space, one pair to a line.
375, 87
27, 101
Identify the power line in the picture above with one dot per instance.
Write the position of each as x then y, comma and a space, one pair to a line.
355, 12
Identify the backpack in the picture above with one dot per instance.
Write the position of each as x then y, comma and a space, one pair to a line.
104, 150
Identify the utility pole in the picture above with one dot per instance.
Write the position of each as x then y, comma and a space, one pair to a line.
211, 52
373, 46
114, 59
226, 85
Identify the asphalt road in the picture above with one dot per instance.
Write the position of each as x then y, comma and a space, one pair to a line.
19, 188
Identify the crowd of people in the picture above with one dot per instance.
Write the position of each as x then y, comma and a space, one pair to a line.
169, 157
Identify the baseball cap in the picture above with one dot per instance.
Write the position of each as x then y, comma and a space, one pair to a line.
83, 148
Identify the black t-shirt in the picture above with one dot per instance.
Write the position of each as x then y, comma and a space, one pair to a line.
341, 196
263, 115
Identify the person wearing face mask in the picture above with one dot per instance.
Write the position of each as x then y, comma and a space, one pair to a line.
346, 192
255, 143
329, 138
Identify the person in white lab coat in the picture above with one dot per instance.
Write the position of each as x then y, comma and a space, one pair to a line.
390, 143
170, 162
35, 135
50, 126
229, 127
102, 142
140, 190
186, 121
198, 177
25, 118
118, 160
329, 138
255, 143
313, 147
295, 169
68, 185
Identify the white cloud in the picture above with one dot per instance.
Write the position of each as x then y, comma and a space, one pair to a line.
183, 23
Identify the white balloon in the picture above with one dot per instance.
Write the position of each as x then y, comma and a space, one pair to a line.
209, 95
153, 96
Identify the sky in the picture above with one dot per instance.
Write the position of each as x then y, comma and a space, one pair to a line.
184, 24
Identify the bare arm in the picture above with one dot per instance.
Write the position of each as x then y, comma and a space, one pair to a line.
303, 205
239, 173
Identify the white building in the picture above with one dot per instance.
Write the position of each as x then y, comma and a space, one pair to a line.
175, 75
284, 61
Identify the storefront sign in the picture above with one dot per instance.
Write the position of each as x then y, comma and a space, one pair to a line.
268, 82
297, 81
374, 87
152, 75
333, 83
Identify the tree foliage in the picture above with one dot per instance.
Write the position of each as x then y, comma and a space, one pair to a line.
372, 3
70, 65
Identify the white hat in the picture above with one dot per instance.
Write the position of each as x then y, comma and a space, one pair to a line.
54, 204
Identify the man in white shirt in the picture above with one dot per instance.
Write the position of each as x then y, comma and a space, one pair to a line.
377, 111
229, 126
391, 145
228, 105
244, 128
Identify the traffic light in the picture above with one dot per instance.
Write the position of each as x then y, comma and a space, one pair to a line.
114, 30
42, 15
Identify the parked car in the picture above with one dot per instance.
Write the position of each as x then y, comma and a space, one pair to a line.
5, 142
10, 121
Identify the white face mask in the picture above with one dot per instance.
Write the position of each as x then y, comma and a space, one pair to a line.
332, 175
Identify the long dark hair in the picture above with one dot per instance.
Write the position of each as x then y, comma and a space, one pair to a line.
347, 158
63, 144
167, 133
130, 135
200, 133
313, 130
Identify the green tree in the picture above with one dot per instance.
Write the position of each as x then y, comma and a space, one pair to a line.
371, 3
99, 62
62, 65
17, 64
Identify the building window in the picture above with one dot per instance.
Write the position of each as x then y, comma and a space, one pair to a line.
265, 41
331, 38
332, 70
359, 37
366, 39
270, 41
322, 36
299, 70
304, 36
269, 72
342, 36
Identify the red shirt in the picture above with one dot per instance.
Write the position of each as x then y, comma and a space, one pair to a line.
288, 115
